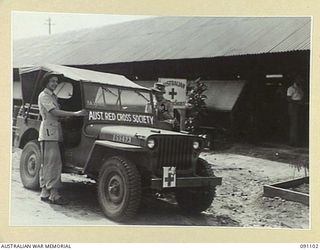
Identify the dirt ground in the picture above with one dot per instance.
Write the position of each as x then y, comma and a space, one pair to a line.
239, 200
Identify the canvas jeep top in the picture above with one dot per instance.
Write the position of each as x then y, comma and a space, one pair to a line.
118, 143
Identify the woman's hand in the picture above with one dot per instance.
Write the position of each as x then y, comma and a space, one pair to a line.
81, 112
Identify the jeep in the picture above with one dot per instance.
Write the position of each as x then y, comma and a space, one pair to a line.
118, 144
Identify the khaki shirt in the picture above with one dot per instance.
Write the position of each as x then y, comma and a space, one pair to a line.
50, 127
164, 110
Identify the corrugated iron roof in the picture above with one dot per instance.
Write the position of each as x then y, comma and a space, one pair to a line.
164, 38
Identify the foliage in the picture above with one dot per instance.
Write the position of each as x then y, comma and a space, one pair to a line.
196, 106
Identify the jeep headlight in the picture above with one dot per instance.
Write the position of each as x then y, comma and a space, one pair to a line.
151, 143
196, 145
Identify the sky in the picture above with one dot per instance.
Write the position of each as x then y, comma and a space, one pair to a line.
32, 24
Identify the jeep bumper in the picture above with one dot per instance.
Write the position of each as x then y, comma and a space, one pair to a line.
156, 183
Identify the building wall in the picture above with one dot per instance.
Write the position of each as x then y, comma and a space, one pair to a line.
256, 116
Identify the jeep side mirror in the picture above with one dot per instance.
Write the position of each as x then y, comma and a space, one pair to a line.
64, 90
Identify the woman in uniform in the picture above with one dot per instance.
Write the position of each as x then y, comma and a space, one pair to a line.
50, 135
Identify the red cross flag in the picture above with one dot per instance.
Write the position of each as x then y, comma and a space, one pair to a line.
169, 177
176, 91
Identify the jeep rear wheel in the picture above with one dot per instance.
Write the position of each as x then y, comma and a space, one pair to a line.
119, 189
30, 165
196, 200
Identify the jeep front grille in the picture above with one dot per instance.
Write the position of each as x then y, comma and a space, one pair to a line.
174, 151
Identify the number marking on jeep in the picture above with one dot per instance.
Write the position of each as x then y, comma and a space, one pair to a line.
122, 138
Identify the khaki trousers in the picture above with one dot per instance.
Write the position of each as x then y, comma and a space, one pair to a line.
50, 170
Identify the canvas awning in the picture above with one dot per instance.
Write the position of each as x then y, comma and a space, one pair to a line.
223, 94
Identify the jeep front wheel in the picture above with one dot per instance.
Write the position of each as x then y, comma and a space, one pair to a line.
196, 200
30, 165
119, 189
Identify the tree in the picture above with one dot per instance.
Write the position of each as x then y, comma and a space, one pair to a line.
196, 106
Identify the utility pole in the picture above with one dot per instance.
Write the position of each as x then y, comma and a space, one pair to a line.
49, 23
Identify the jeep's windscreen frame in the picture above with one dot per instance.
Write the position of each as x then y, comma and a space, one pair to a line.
97, 96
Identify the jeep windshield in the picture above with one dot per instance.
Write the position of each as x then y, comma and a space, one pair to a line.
104, 97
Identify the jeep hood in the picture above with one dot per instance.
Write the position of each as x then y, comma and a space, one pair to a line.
101, 131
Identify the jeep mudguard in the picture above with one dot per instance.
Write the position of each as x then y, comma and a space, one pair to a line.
101, 150
27, 136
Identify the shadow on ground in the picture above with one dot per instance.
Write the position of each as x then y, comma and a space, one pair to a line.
153, 211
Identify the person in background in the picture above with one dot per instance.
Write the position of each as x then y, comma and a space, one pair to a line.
50, 135
164, 108
294, 97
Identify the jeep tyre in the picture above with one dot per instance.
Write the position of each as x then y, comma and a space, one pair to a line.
196, 200
119, 188
30, 162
